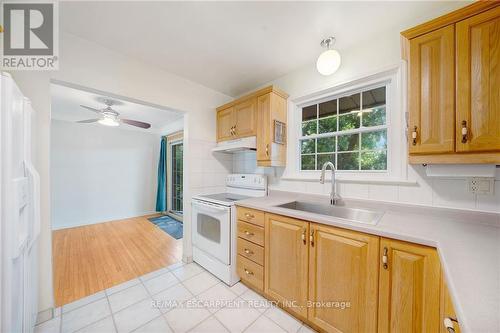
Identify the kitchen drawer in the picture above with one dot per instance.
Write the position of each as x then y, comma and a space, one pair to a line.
251, 216
251, 251
251, 232
251, 273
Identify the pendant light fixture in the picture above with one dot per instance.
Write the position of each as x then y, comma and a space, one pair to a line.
328, 61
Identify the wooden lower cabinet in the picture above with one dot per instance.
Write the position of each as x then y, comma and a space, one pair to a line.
286, 262
343, 267
447, 310
409, 292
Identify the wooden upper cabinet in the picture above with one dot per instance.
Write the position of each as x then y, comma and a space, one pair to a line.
432, 92
478, 82
286, 262
409, 288
245, 117
225, 123
343, 266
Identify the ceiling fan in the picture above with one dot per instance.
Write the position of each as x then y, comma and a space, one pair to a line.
110, 117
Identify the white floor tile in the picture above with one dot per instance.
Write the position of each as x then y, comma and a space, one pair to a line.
122, 286
51, 326
187, 271
85, 315
83, 301
158, 325
237, 318
153, 274
217, 297
200, 282
182, 319
172, 297
255, 300
124, 298
105, 325
264, 325
238, 288
176, 265
57, 311
160, 282
211, 325
282, 318
135, 316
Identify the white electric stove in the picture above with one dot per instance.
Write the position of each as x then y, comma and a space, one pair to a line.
214, 224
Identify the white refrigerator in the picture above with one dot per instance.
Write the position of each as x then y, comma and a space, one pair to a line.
19, 212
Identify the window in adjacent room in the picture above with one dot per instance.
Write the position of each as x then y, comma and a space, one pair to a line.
348, 130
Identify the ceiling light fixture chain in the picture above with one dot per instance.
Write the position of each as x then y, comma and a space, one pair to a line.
328, 42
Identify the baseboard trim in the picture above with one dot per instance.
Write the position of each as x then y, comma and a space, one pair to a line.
68, 226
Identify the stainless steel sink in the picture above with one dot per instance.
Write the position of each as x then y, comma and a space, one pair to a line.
351, 214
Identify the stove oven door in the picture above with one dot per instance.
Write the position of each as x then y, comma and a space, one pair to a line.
211, 225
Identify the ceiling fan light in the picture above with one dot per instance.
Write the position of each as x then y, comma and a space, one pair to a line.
108, 121
328, 62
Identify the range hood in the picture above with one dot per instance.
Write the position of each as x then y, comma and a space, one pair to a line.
231, 146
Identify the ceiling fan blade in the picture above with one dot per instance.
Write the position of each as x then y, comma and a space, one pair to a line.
88, 121
91, 109
136, 123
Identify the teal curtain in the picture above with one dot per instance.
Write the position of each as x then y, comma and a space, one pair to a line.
161, 194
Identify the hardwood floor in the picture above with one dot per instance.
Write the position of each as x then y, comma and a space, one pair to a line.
92, 258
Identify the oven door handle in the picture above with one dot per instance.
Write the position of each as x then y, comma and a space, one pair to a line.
209, 206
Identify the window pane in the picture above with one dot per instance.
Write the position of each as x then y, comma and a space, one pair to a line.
307, 162
308, 146
374, 160
348, 121
309, 128
309, 112
373, 98
374, 140
326, 145
375, 117
348, 161
328, 125
328, 109
349, 103
348, 142
323, 158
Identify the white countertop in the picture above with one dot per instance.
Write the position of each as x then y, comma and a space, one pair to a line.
468, 244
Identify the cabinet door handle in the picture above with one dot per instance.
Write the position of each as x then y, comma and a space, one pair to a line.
414, 135
267, 150
385, 259
234, 129
311, 237
448, 324
248, 233
304, 236
464, 132
247, 251
247, 272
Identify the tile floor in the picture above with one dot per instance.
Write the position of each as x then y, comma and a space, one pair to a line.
178, 298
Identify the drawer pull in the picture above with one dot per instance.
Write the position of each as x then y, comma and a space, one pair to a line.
448, 324
311, 237
385, 259
414, 135
248, 233
249, 216
247, 272
267, 150
304, 236
247, 251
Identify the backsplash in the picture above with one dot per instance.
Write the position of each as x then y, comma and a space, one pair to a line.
436, 192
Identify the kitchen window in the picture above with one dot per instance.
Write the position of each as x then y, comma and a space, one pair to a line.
350, 130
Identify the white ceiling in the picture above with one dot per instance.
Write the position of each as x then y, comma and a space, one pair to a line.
233, 47
66, 103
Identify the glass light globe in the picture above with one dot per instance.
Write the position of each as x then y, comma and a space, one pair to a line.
108, 121
328, 62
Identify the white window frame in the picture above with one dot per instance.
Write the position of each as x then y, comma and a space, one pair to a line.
393, 79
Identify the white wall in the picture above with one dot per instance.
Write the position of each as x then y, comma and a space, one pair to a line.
91, 65
101, 173
367, 59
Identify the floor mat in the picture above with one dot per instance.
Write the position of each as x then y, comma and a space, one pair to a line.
170, 225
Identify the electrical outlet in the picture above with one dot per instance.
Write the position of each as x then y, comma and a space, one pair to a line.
481, 185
